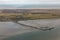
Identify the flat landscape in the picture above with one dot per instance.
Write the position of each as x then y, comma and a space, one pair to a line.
28, 14
11, 30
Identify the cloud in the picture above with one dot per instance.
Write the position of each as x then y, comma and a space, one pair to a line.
29, 1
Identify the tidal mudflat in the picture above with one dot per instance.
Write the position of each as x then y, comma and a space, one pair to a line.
13, 31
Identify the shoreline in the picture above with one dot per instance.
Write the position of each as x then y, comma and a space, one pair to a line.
22, 29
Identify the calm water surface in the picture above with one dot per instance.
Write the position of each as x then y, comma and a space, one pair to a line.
40, 35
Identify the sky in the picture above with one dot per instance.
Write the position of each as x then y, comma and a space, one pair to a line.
29, 1
21, 3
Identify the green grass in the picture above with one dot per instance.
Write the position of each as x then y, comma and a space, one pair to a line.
28, 16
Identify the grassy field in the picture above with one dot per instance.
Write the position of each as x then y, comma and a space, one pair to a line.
28, 16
